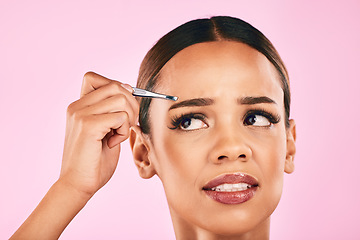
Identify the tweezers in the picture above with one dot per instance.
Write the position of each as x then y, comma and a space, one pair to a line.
138, 92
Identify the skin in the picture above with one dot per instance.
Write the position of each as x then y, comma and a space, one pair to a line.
186, 160
96, 125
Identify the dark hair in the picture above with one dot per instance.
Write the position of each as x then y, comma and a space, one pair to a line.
219, 28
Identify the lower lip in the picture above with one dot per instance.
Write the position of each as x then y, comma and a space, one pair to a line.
232, 197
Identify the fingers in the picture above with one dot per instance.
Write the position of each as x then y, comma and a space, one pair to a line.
111, 90
91, 82
105, 111
101, 95
116, 103
98, 126
119, 135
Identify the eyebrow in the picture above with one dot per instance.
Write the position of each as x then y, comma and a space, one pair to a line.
255, 100
199, 102
196, 102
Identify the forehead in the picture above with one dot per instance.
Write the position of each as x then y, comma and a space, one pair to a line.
220, 69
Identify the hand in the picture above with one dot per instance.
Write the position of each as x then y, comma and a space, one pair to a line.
96, 125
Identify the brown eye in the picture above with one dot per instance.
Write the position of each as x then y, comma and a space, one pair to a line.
188, 124
257, 120
185, 123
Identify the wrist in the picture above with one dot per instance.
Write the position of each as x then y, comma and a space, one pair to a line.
55, 211
72, 191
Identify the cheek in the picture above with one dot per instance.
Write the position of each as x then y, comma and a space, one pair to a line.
270, 158
269, 152
183, 158
181, 163
273, 160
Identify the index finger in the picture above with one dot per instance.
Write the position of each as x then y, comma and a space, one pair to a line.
91, 82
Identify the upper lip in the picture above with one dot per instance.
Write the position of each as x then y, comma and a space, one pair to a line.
231, 178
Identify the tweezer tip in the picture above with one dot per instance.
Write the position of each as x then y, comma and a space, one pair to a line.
172, 98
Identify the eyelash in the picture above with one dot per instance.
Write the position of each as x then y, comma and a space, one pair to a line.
177, 120
273, 119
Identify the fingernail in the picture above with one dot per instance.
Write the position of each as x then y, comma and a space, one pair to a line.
127, 87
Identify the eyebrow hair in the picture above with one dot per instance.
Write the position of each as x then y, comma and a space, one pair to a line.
196, 102
255, 100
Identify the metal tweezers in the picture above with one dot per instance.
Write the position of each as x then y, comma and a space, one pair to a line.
138, 92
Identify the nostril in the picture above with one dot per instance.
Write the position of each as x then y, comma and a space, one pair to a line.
224, 157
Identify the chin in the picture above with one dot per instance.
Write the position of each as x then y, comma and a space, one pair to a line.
234, 225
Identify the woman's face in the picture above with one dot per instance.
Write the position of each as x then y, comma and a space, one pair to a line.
220, 149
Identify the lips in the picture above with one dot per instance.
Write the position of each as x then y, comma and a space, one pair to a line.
231, 188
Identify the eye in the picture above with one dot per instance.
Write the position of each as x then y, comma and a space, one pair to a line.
260, 118
188, 124
257, 120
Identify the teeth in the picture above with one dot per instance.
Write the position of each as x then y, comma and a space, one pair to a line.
231, 187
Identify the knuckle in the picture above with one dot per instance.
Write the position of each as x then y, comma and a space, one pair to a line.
123, 116
71, 109
75, 115
114, 86
120, 99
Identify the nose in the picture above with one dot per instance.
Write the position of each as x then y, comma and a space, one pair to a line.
230, 146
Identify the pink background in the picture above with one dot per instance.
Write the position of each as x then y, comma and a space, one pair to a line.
45, 48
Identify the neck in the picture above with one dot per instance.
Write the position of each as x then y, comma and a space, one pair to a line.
185, 230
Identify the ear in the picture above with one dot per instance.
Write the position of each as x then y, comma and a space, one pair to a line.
290, 147
140, 150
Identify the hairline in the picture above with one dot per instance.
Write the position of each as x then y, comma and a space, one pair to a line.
158, 77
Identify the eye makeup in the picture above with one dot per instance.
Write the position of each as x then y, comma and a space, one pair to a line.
183, 120
250, 116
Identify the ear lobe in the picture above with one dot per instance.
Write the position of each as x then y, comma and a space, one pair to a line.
140, 152
290, 147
